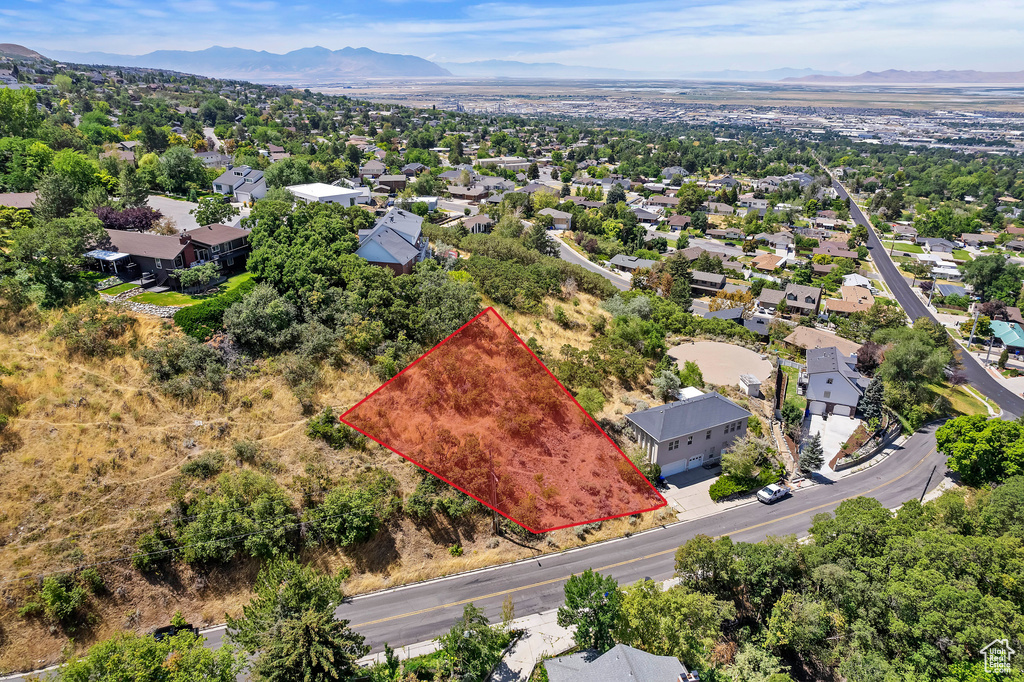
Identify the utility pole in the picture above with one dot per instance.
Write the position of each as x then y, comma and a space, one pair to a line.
974, 327
492, 479
931, 292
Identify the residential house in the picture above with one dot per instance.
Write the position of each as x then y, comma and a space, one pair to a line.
809, 338
395, 241
904, 232
688, 433
727, 182
471, 194
222, 244
748, 201
822, 269
645, 218
148, 257
718, 208
23, 200
322, 193
855, 280
834, 249
1010, 334
833, 384
242, 183
853, 300
706, 283
672, 171
394, 183
476, 224
411, 170
662, 202
777, 240
561, 219
936, 244
372, 170
214, 159
678, 223
766, 262
629, 263
978, 240
726, 233
769, 299
621, 663
802, 299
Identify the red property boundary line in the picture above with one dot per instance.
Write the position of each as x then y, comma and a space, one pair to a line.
490, 309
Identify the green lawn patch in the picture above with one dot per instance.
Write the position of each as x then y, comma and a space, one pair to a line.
961, 401
906, 248
174, 298
119, 289
960, 254
793, 373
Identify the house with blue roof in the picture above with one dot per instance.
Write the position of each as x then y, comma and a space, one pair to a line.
1010, 334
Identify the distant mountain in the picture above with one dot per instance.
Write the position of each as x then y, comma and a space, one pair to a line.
764, 76
498, 68
307, 65
894, 76
19, 51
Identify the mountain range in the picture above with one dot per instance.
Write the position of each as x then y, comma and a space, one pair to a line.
894, 76
306, 65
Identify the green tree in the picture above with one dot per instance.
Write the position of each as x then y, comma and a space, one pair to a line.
471, 648
75, 168
872, 401
284, 590
129, 656
56, 198
591, 605
982, 450
289, 171
812, 457
353, 513
52, 251
707, 564
538, 239
691, 375
666, 385
18, 114
132, 187
181, 170
213, 211
313, 647
263, 322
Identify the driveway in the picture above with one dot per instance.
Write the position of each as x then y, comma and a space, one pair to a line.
835, 431
722, 363
178, 211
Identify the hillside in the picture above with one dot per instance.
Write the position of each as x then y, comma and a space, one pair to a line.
19, 51
307, 65
97, 455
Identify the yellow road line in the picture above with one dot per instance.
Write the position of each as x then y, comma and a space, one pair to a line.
634, 559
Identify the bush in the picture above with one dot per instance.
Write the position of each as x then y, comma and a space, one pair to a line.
327, 428
353, 513
202, 320
591, 400
263, 321
60, 598
434, 495
153, 551
246, 450
184, 367
95, 330
206, 465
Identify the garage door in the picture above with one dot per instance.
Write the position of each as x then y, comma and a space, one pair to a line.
817, 407
695, 461
842, 410
673, 468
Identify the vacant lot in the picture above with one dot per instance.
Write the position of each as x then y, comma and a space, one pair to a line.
722, 363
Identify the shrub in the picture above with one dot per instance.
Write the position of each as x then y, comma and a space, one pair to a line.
327, 428
202, 320
455, 550
153, 551
184, 367
263, 321
591, 400
354, 512
246, 450
95, 330
206, 465
60, 598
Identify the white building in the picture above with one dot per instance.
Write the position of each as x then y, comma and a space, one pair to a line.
322, 193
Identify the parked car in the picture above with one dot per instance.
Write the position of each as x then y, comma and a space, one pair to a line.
172, 630
770, 494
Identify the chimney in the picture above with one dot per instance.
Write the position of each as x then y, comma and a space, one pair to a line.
184, 238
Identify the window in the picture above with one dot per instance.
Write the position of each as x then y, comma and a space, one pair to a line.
726, 431
159, 264
215, 248
707, 436
828, 394
230, 261
828, 381
689, 440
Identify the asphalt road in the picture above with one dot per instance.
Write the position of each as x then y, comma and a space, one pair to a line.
568, 254
1011, 403
420, 612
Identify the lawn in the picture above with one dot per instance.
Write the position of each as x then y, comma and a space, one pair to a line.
960, 254
793, 373
119, 289
906, 248
962, 401
170, 298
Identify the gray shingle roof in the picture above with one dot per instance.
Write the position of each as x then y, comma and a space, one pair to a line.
392, 242
621, 663
624, 261
409, 225
687, 416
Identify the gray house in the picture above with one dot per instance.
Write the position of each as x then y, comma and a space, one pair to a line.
241, 182
833, 384
621, 662
629, 263
687, 433
395, 241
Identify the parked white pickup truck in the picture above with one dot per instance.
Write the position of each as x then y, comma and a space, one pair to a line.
770, 494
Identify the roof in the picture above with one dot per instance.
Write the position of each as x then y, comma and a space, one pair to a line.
725, 314
680, 220
687, 416
391, 242
18, 199
801, 292
766, 261
830, 361
478, 219
144, 244
710, 277
950, 290
1010, 333
407, 224
854, 299
809, 338
620, 663
392, 178
216, 233
771, 296
321, 190
554, 213
624, 261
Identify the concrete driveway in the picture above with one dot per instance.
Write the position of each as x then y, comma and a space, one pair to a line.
835, 431
178, 211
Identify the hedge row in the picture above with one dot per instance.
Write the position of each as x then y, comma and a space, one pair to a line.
202, 320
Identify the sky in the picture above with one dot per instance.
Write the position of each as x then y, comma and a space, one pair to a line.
670, 36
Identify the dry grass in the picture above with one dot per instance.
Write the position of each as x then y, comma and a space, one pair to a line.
93, 448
